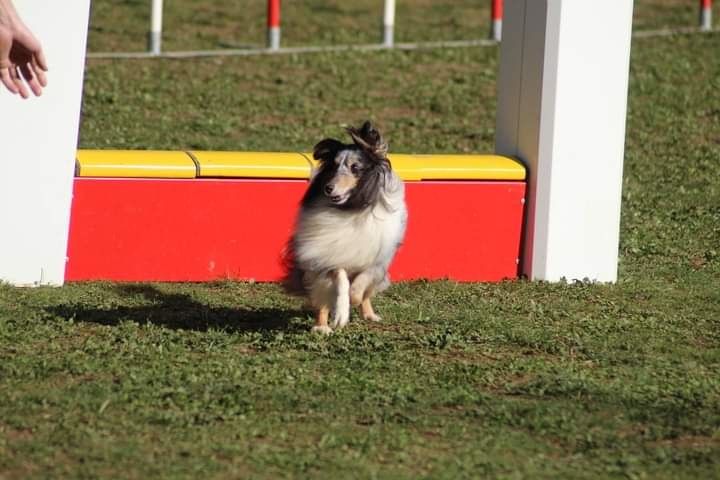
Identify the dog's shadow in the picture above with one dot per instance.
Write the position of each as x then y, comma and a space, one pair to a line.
182, 312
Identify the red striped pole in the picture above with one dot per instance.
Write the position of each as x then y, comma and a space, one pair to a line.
706, 14
496, 14
273, 19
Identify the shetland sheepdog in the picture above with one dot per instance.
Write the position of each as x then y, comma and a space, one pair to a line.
351, 222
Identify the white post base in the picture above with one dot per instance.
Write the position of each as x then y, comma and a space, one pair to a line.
389, 23
156, 22
388, 35
562, 102
154, 43
496, 30
273, 42
39, 142
706, 19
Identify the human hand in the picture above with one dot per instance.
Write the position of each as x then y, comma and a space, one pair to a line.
22, 62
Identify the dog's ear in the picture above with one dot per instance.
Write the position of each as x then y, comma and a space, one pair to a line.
327, 149
369, 139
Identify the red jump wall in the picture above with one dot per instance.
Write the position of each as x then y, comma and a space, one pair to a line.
211, 229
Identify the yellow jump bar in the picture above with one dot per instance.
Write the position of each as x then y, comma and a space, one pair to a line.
201, 164
134, 164
253, 164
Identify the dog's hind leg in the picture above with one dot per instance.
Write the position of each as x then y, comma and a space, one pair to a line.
359, 286
341, 313
366, 309
362, 289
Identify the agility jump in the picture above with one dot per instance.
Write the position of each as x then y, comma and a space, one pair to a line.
562, 100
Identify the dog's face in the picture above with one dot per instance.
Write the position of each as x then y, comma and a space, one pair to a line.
344, 173
350, 176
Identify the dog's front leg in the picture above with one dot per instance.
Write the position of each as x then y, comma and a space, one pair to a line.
341, 312
331, 291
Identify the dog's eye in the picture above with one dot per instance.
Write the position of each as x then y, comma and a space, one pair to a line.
354, 168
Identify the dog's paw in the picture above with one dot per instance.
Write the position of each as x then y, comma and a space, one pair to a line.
321, 329
341, 318
372, 317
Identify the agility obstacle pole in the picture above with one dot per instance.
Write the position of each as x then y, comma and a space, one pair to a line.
496, 19
154, 40
562, 99
388, 31
273, 25
706, 15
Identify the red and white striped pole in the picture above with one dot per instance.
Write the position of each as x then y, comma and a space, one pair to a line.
273, 19
705, 14
496, 14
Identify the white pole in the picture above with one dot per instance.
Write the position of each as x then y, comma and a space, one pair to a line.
39, 143
389, 23
155, 33
706, 15
562, 103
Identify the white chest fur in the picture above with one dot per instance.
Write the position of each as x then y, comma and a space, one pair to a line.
329, 238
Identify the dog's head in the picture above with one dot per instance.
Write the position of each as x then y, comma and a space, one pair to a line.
350, 176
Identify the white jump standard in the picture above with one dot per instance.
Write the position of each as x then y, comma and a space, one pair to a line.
39, 144
562, 101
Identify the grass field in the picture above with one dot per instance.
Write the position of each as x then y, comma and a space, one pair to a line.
509, 380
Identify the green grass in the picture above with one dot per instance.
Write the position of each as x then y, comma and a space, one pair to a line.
513, 379
509, 380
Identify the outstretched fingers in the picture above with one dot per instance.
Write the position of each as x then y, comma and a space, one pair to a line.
15, 76
31, 79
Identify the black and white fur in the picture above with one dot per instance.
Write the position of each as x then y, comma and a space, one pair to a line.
351, 222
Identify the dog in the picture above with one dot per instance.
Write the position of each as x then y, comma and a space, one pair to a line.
351, 222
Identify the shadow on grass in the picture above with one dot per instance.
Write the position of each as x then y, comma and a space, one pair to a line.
182, 312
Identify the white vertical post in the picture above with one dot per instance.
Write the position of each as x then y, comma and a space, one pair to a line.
389, 23
39, 143
155, 33
706, 15
562, 103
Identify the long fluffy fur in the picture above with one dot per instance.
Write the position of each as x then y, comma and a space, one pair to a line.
357, 237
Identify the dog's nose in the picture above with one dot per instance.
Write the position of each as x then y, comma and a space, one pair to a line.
328, 189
